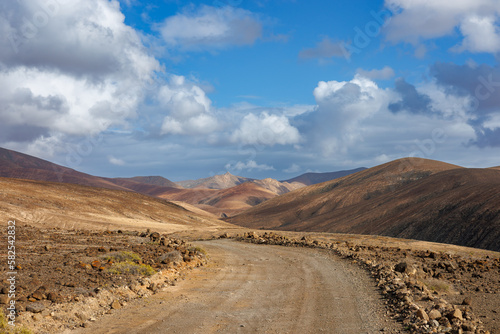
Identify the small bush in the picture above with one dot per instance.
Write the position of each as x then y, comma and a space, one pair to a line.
131, 268
198, 250
437, 285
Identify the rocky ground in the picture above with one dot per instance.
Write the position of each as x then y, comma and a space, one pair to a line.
428, 291
68, 278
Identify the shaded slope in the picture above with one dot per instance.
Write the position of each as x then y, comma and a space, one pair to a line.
22, 166
155, 181
425, 200
315, 178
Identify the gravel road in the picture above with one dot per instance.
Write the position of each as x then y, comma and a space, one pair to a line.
250, 288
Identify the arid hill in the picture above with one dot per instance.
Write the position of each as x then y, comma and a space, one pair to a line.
48, 204
22, 166
315, 178
225, 201
159, 181
408, 198
223, 181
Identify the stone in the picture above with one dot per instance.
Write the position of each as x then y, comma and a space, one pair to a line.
421, 314
96, 264
401, 267
38, 295
434, 314
35, 307
116, 305
455, 314
4, 299
467, 301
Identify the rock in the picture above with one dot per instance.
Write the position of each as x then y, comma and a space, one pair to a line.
434, 323
96, 264
155, 236
4, 299
53, 297
434, 314
38, 295
116, 305
35, 307
455, 314
5, 290
401, 267
37, 317
421, 314
467, 301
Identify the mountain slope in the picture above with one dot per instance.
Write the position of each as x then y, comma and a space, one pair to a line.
315, 178
22, 166
159, 181
74, 206
408, 198
223, 181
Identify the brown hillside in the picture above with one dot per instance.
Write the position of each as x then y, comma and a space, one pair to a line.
222, 181
427, 200
228, 201
74, 206
22, 166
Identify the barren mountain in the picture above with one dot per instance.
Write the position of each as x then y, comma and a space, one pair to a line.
228, 201
223, 181
67, 205
315, 178
159, 181
407, 198
22, 166
278, 187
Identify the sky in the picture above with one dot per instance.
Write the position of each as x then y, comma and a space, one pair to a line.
257, 88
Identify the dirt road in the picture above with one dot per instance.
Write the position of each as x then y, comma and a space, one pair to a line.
250, 288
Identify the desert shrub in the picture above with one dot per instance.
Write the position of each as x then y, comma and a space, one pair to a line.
131, 268
123, 256
8, 329
198, 250
437, 285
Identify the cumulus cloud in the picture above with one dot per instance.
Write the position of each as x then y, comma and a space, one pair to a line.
188, 108
341, 106
382, 74
248, 166
325, 49
210, 27
417, 21
265, 129
69, 69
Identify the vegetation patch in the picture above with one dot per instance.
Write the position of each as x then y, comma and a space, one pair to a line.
128, 263
9, 329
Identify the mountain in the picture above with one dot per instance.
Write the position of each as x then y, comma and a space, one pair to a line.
223, 181
407, 198
278, 187
50, 204
315, 178
155, 181
223, 202
22, 166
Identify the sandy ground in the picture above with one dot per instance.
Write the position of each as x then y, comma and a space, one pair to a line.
259, 289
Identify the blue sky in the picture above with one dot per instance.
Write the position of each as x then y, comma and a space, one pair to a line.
263, 88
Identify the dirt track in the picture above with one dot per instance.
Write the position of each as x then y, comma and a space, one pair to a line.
258, 289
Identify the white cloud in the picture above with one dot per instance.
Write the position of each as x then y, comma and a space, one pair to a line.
210, 27
382, 74
481, 34
265, 129
188, 108
416, 21
116, 161
78, 72
248, 166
